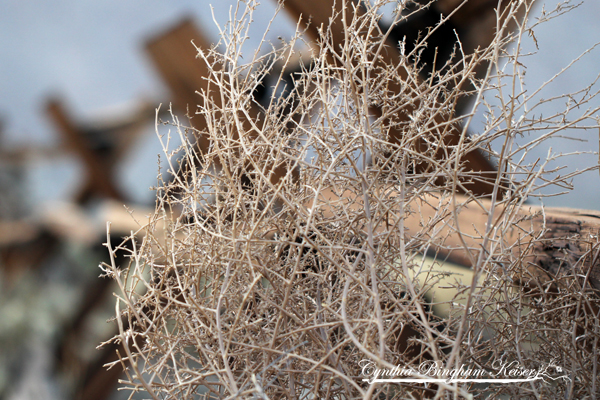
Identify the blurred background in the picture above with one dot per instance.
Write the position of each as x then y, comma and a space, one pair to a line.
78, 141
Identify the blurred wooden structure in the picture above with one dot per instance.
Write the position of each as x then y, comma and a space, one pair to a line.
186, 75
190, 79
29, 243
100, 148
439, 49
552, 242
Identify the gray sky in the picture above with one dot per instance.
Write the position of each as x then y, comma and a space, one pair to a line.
90, 53
561, 41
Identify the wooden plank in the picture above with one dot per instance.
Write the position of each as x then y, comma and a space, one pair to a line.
174, 56
319, 13
14, 233
187, 75
553, 240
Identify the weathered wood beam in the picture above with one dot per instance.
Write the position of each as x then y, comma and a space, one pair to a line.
175, 55
557, 241
327, 14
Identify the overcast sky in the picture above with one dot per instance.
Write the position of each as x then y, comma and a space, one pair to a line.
90, 53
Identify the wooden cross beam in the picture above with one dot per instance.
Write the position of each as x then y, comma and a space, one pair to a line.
97, 383
549, 242
189, 76
192, 83
99, 178
174, 56
478, 22
17, 238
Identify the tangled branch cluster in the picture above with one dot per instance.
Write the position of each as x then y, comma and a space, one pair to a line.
286, 258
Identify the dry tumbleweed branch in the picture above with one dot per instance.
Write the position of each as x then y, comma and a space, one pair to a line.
285, 260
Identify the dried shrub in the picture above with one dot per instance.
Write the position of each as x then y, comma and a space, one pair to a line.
285, 256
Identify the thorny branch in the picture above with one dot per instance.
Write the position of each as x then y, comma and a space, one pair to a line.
304, 240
